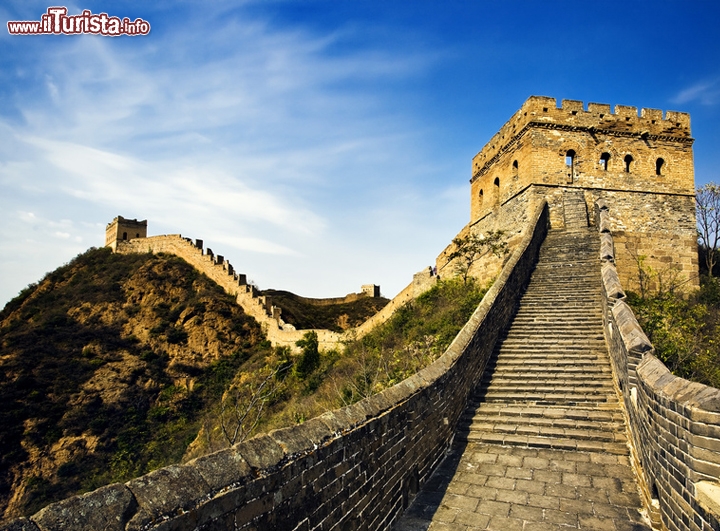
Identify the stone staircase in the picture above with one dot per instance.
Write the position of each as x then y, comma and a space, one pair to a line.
575, 209
549, 382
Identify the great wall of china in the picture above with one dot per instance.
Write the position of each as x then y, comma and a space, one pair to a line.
623, 180
259, 306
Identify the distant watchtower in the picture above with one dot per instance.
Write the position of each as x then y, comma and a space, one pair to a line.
641, 165
121, 229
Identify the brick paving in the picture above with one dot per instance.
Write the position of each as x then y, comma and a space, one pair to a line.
542, 444
507, 488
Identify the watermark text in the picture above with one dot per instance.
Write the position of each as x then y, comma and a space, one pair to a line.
56, 21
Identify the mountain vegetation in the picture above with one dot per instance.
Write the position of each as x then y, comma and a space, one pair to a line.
289, 388
106, 366
304, 314
683, 327
115, 365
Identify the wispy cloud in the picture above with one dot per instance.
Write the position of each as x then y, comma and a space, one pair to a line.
268, 140
705, 93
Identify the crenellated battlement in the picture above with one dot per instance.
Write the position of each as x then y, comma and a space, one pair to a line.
597, 118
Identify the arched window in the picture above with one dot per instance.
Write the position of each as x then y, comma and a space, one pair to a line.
480, 197
659, 164
137, 235
515, 167
124, 235
628, 161
570, 158
604, 159
570, 164
497, 189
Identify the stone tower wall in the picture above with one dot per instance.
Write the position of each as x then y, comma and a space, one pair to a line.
121, 229
642, 165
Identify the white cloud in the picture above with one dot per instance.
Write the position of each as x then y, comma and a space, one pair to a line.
264, 142
706, 93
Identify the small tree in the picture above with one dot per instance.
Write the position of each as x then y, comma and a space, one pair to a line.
310, 358
243, 406
707, 199
469, 249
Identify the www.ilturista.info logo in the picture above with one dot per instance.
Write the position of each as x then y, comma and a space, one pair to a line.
56, 21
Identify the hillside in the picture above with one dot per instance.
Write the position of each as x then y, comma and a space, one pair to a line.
106, 368
115, 365
303, 314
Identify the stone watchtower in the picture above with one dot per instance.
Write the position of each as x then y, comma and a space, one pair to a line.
121, 229
642, 166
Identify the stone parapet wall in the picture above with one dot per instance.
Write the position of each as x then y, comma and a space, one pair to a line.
674, 424
421, 282
331, 301
640, 233
352, 469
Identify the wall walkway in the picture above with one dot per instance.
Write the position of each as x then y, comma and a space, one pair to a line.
542, 443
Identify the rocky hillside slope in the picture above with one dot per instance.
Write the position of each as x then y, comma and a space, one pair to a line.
107, 367
115, 365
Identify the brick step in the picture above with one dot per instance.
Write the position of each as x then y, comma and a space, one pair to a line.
517, 372
545, 367
531, 364
609, 432
561, 299
545, 334
559, 338
564, 293
529, 351
575, 413
555, 339
519, 365
593, 415
560, 352
559, 331
548, 388
568, 263
580, 272
560, 292
508, 356
535, 441
554, 305
549, 399
544, 322
535, 374
541, 321
569, 382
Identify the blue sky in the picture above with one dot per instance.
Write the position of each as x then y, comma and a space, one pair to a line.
319, 145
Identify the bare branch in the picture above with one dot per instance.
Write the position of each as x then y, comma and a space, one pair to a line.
707, 199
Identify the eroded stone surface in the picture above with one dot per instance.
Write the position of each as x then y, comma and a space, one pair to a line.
108, 508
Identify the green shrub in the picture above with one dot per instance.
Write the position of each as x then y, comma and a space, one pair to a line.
683, 330
310, 357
